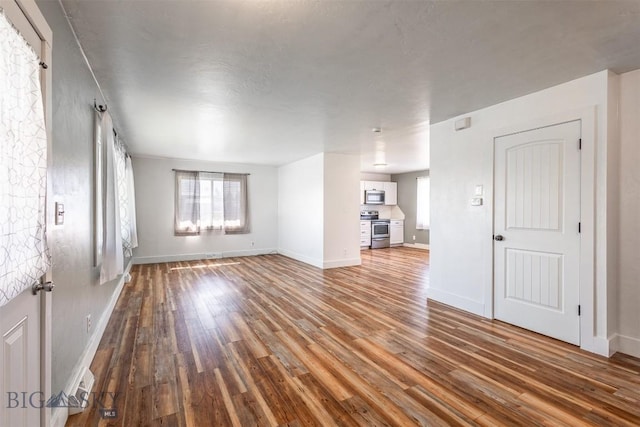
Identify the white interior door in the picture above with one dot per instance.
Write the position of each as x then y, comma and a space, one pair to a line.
536, 226
20, 362
24, 331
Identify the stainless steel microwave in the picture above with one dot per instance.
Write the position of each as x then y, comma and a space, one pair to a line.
374, 197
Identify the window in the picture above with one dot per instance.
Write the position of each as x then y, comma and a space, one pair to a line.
422, 203
210, 201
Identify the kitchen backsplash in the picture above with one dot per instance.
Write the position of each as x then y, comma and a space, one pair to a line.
385, 212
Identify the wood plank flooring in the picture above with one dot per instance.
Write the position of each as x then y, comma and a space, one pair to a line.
269, 341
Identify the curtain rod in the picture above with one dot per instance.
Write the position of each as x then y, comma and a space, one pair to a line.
99, 108
187, 170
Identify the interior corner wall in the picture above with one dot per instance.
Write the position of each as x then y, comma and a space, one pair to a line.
155, 189
341, 210
461, 233
301, 210
407, 201
613, 203
77, 291
629, 215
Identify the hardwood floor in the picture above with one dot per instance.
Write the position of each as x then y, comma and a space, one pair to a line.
271, 341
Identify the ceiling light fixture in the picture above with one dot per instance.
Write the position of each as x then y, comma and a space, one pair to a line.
380, 160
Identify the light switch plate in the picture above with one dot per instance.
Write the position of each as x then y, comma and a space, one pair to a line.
479, 190
59, 213
476, 201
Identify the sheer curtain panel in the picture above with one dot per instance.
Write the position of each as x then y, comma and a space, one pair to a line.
187, 203
236, 204
112, 256
133, 226
124, 194
23, 166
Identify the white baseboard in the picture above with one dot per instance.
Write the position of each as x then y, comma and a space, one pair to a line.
198, 256
347, 262
299, 257
627, 345
598, 345
416, 245
59, 415
456, 301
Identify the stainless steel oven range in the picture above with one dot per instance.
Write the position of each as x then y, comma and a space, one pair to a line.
380, 233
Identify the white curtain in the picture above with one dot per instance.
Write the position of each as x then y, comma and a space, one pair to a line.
126, 193
422, 203
187, 203
211, 201
131, 192
236, 204
23, 166
112, 254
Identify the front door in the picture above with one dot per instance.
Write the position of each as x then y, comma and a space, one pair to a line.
24, 335
536, 226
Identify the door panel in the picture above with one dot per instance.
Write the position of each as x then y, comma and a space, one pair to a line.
534, 186
534, 278
24, 367
20, 361
537, 211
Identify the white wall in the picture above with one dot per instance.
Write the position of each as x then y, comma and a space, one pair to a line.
341, 210
461, 234
77, 293
368, 176
629, 254
613, 206
301, 209
155, 183
318, 210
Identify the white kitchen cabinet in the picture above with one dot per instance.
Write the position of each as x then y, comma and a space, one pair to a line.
390, 193
365, 233
373, 185
396, 231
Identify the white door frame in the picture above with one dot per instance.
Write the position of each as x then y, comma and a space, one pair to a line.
37, 21
588, 120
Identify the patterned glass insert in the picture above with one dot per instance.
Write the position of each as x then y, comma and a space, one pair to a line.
23, 166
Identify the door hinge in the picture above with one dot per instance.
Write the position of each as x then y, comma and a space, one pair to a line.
580, 144
579, 227
579, 310
42, 286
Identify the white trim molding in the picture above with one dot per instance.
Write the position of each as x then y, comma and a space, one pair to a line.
346, 262
59, 415
625, 344
456, 301
302, 258
416, 246
201, 256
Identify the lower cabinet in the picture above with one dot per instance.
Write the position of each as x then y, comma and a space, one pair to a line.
396, 232
365, 233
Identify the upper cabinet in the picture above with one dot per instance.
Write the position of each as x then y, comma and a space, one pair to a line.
390, 190
373, 185
391, 193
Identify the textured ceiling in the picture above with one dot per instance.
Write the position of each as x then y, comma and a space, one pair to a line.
275, 81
